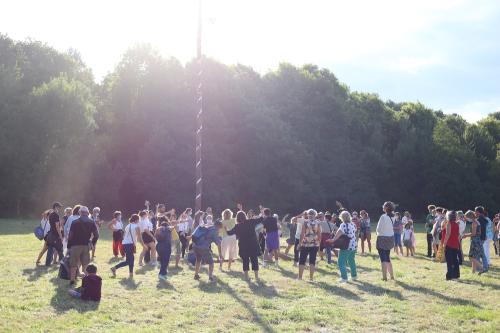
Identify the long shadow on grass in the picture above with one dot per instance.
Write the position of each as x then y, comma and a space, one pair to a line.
34, 274
479, 283
129, 283
62, 301
255, 316
338, 291
430, 292
258, 288
377, 290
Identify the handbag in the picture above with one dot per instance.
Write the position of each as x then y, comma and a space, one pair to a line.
385, 242
134, 249
341, 243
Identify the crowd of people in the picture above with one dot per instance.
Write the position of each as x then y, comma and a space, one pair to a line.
72, 238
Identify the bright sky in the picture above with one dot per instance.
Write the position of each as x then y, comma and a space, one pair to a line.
444, 53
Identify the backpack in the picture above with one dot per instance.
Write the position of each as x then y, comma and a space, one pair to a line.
39, 231
199, 234
163, 234
64, 269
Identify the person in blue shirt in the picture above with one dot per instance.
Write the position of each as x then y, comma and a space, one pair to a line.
204, 235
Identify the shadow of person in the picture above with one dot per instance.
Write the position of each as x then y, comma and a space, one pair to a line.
265, 327
262, 289
114, 260
61, 301
338, 291
287, 273
378, 290
144, 269
34, 274
164, 285
129, 283
430, 292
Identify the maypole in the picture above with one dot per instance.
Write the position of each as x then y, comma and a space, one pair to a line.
199, 122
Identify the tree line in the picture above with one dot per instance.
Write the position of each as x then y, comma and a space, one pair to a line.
292, 138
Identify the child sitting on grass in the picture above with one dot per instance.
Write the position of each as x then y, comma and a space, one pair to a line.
91, 286
408, 239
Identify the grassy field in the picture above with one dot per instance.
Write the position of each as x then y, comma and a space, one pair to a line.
33, 299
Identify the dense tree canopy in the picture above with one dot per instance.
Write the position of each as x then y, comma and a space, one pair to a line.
290, 139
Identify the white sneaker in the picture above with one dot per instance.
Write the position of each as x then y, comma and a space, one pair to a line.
162, 277
341, 280
354, 278
264, 264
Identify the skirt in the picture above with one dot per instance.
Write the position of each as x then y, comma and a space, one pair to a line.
476, 247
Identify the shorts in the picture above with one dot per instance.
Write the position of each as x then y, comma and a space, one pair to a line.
385, 255
397, 239
146, 238
79, 255
365, 233
229, 247
407, 243
176, 247
310, 252
272, 240
205, 255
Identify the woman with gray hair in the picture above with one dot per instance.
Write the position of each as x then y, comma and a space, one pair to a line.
451, 244
309, 243
385, 239
348, 255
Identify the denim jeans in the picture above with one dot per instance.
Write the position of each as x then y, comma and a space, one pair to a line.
347, 256
50, 254
164, 250
483, 257
328, 254
129, 258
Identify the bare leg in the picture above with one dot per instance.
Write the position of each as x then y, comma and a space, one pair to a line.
368, 240
311, 271
153, 253
384, 271
197, 267
301, 271
42, 252
229, 264
143, 253
177, 259
389, 269
362, 246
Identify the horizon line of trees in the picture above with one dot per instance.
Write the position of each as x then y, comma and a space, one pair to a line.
290, 139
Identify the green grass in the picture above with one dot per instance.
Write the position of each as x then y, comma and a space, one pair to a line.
33, 299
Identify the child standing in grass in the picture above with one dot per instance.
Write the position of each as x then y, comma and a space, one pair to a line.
408, 239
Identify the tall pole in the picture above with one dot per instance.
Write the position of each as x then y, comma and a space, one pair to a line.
199, 122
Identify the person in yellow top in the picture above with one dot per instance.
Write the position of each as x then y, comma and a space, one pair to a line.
229, 245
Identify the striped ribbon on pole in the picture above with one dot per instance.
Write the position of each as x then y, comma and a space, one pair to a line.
199, 122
